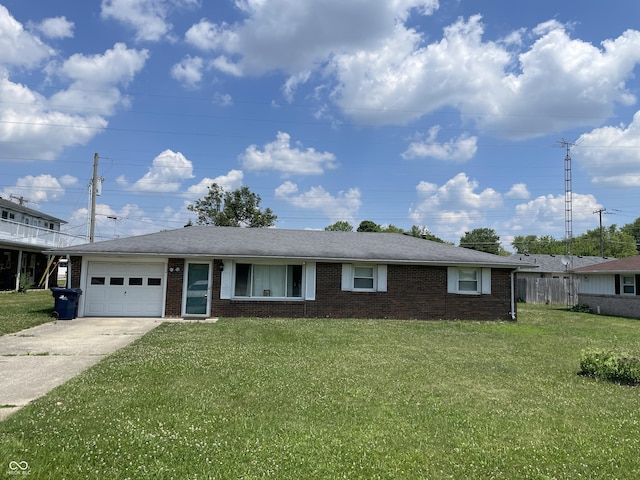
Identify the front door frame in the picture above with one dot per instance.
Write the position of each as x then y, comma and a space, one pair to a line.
185, 288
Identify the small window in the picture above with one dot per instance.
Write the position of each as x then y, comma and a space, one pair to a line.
5, 214
467, 280
629, 285
154, 282
135, 281
116, 281
97, 280
363, 278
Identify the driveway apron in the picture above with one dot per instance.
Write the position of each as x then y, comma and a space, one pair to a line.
36, 360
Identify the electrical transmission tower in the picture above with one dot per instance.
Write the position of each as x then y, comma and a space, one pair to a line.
568, 198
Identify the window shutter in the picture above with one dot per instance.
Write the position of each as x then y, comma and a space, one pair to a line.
486, 281
226, 280
347, 277
452, 280
310, 281
382, 278
617, 284
637, 284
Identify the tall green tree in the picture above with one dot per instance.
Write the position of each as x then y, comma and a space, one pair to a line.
340, 226
532, 244
482, 239
391, 229
368, 226
633, 229
238, 208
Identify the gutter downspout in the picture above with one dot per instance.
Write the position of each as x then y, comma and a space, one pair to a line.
513, 301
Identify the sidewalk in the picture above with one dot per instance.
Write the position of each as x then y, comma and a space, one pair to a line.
36, 360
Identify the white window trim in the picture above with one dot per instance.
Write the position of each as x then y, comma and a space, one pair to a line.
228, 281
483, 276
379, 277
622, 285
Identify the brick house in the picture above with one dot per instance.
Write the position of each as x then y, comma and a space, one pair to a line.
611, 288
204, 271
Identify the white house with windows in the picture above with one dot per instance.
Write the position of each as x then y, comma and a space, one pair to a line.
24, 234
611, 288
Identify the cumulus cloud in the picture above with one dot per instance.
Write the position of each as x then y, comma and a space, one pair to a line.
343, 206
519, 191
458, 149
148, 18
229, 182
294, 36
188, 71
611, 155
19, 47
544, 215
38, 189
56, 27
279, 155
166, 174
454, 207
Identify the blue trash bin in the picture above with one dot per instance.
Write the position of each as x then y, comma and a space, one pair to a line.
66, 302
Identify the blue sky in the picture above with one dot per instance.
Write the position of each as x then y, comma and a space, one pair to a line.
444, 114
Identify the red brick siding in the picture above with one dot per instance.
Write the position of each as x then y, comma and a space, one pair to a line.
76, 271
173, 304
418, 292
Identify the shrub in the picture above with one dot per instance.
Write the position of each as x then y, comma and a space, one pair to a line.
581, 308
620, 368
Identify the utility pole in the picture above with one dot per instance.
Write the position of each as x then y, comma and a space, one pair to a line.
600, 211
94, 193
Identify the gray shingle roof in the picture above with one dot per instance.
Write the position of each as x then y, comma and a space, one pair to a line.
553, 263
232, 242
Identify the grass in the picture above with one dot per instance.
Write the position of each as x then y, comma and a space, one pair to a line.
276, 398
24, 310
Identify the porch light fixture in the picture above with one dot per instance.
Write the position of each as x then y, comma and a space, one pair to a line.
174, 269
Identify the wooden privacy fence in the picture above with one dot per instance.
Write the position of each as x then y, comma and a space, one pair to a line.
547, 290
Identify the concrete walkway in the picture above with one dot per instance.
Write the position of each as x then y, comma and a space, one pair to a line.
36, 360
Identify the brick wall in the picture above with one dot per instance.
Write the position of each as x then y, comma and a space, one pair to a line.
173, 304
413, 292
618, 305
76, 271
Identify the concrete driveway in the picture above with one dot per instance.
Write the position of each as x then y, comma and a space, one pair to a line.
36, 360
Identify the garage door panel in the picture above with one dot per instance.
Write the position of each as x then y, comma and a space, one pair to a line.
124, 289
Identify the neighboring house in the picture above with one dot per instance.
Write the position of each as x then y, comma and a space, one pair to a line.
24, 234
549, 279
203, 271
611, 288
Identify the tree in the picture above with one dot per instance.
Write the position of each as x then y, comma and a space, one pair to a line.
533, 244
424, 233
239, 208
368, 226
633, 229
482, 239
340, 226
391, 229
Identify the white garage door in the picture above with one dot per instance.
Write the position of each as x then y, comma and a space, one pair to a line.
124, 289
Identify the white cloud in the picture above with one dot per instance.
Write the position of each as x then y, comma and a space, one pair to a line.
222, 99
229, 182
37, 189
280, 156
545, 215
343, 206
167, 172
454, 207
56, 27
295, 36
519, 191
188, 71
147, 17
611, 155
95, 79
19, 47
458, 149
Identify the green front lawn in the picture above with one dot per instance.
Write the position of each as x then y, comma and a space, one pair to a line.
24, 310
274, 398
